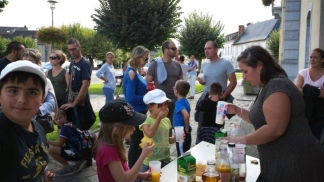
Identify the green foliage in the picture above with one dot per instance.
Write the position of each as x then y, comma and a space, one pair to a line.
52, 35
28, 42
130, 23
3, 3
3, 46
121, 56
158, 54
94, 45
196, 31
273, 43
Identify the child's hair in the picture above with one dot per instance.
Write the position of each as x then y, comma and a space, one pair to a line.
215, 89
22, 77
34, 53
182, 87
61, 112
107, 136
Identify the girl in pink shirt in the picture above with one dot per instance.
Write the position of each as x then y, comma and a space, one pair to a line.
118, 120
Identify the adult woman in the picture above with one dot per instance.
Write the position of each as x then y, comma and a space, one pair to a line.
288, 151
135, 88
49, 105
59, 76
192, 66
310, 82
107, 74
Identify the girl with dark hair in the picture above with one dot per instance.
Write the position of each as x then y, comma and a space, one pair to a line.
284, 140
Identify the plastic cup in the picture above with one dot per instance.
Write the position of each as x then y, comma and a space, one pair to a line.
155, 168
201, 76
179, 133
221, 110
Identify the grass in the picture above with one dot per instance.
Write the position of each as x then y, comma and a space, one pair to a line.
53, 136
238, 76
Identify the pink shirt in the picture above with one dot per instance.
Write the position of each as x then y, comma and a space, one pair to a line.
307, 80
106, 155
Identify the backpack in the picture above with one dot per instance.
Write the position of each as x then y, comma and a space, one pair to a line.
87, 138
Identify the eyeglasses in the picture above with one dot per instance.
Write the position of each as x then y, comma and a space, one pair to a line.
173, 48
53, 58
73, 49
145, 59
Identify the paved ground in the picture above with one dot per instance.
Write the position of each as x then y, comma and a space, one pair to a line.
89, 174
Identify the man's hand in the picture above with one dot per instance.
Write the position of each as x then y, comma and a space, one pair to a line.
187, 130
49, 176
67, 106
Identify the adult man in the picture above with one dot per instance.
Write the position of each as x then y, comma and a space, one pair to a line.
165, 72
82, 114
14, 51
219, 70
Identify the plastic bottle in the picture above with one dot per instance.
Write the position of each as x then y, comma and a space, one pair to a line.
237, 131
210, 174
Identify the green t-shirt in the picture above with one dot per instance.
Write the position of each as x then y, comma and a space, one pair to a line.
161, 149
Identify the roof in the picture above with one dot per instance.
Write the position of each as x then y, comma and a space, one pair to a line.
231, 36
23, 33
5, 30
258, 31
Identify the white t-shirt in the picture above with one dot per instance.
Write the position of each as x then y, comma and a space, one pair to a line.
307, 80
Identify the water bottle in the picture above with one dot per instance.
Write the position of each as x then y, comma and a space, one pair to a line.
237, 131
239, 147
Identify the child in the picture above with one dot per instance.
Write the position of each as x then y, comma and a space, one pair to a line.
158, 127
208, 112
118, 120
68, 147
182, 114
23, 147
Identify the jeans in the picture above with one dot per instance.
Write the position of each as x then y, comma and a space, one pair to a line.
192, 82
186, 144
134, 150
109, 93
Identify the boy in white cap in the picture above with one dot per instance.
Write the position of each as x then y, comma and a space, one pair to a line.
23, 146
158, 127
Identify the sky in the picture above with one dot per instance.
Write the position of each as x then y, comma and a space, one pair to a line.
37, 13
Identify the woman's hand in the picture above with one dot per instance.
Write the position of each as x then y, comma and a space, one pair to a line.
232, 109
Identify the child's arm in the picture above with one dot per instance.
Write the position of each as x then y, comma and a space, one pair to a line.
146, 175
186, 117
118, 172
172, 139
58, 143
150, 131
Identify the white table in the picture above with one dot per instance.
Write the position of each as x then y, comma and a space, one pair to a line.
205, 151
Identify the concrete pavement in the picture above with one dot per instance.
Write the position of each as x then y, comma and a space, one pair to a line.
90, 174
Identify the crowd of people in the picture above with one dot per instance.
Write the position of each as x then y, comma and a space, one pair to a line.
287, 117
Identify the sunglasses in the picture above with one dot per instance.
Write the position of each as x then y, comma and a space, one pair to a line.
53, 58
145, 59
173, 48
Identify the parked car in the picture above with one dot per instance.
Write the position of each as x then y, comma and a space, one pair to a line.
119, 79
47, 66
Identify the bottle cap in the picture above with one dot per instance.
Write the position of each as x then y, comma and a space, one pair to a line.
237, 125
231, 144
211, 162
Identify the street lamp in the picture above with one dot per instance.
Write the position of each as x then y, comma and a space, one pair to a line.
52, 6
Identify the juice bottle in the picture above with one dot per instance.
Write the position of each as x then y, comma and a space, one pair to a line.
210, 175
155, 177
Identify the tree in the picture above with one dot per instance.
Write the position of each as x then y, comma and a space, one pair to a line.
196, 31
3, 3
273, 43
130, 23
3, 46
52, 35
94, 45
28, 42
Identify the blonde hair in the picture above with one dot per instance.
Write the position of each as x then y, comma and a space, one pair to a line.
112, 134
136, 54
61, 55
110, 53
34, 53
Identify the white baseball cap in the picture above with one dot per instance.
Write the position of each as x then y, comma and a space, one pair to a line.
156, 96
24, 66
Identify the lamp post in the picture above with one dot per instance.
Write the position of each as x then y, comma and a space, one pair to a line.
52, 6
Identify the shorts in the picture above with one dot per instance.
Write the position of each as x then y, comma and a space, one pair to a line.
69, 155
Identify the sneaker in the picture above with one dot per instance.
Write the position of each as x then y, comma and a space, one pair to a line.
65, 171
80, 165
